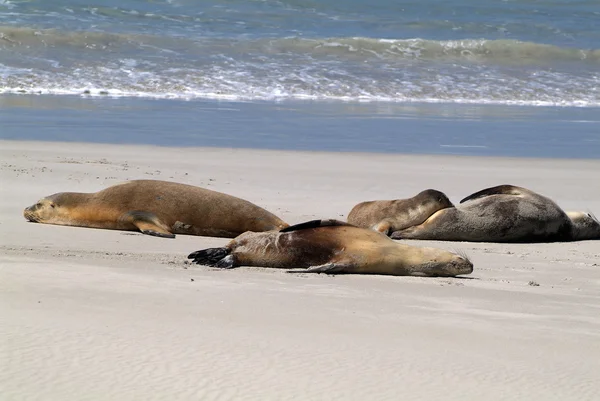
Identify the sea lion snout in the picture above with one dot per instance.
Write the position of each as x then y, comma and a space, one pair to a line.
41, 211
462, 265
29, 213
442, 263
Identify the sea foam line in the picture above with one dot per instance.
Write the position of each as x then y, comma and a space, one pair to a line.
116, 93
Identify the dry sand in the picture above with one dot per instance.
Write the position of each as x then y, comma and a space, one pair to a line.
107, 315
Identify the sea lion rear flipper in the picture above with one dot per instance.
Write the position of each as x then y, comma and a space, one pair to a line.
215, 257
498, 190
314, 224
328, 268
148, 223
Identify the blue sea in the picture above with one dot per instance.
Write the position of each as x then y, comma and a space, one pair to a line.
512, 77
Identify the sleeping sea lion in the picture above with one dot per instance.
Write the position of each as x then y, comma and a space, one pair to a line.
505, 213
159, 208
334, 247
387, 216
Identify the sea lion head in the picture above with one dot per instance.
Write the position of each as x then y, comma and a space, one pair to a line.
47, 210
585, 225
439, 262
433, 196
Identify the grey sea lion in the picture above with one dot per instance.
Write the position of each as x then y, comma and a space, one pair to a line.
159, 208
334, 247
388, 216
505, 213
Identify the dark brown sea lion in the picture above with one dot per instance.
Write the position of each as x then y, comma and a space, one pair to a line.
388, 216
159, 208
334, 247
505, 213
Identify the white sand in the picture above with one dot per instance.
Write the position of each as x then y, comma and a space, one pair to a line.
107, 315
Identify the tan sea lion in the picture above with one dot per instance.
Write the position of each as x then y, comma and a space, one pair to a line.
334, 247
387, 216
505, 213
159, 208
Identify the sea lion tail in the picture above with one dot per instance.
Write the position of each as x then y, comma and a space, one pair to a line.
215, 257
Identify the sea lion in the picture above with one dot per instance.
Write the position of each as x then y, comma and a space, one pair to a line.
505, 213
387, 216
334, 247
159, 208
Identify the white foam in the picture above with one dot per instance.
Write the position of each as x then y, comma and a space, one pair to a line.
278, 96
7, 4
252, 81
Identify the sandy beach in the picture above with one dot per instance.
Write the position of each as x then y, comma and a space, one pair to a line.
91, 314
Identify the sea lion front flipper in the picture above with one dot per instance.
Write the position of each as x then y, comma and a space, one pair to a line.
314, 224
384, 227
498, 190
397, 234
327, 268
148, 223
414, 232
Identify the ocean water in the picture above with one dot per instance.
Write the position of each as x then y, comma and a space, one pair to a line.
523, 52
467, 77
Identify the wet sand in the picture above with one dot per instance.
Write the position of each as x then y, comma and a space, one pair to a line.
407, 128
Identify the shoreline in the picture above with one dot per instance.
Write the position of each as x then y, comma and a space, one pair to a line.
425, 129
292, 152
104, 314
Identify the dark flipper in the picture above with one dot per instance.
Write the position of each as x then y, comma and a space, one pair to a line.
215, 257
314, 224
148, 223
328, 268
499, 190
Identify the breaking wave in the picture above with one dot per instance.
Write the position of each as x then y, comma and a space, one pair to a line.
51, 61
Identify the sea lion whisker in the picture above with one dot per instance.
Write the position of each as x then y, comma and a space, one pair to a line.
463, 254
